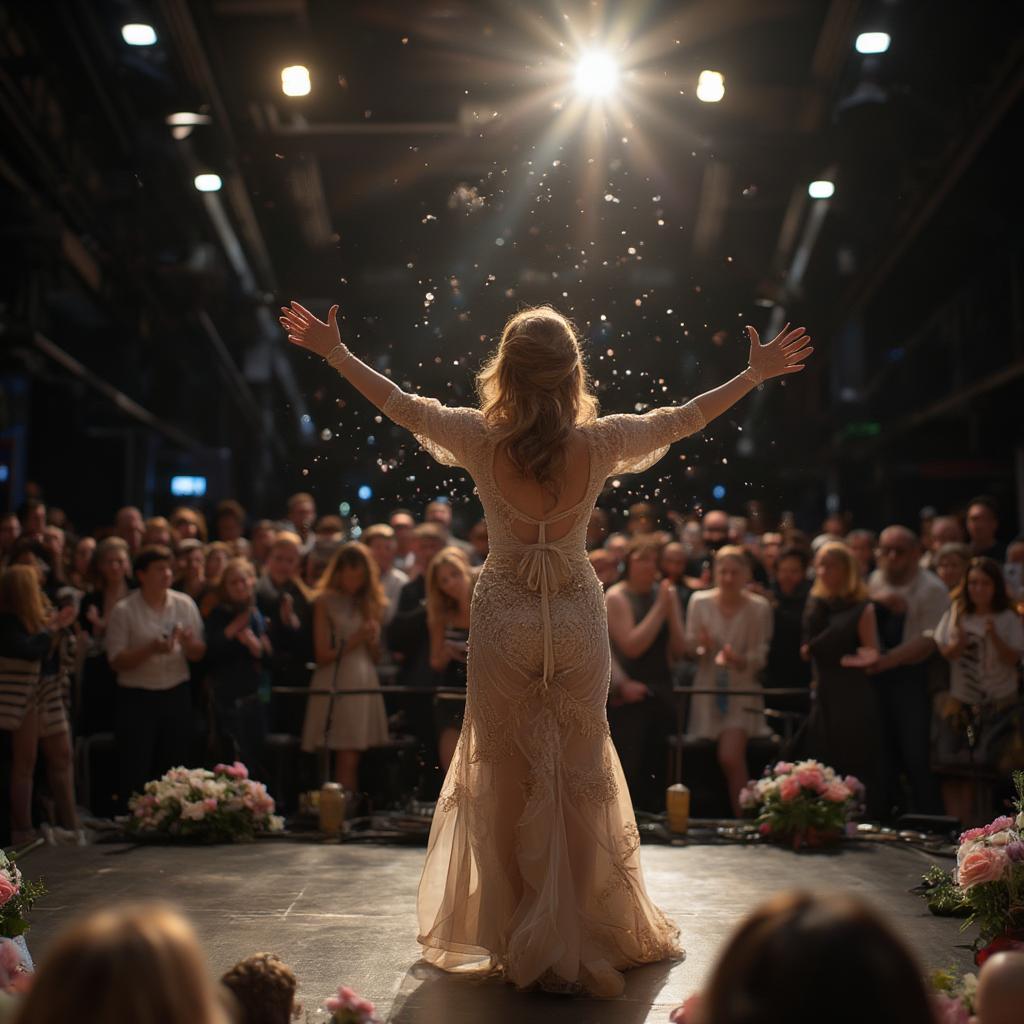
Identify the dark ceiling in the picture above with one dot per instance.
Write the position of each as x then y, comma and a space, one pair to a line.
441, 173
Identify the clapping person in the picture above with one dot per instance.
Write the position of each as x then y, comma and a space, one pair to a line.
152, 635
31, 701
109, 579
190, 563
449, 592
982, 638
81, 560
237, 650
347, 613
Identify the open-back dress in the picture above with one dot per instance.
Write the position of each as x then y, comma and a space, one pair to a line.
533, 865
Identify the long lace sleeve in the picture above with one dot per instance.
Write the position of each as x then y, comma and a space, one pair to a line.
633, 443
449, 434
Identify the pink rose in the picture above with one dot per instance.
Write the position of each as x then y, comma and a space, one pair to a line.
789, 788
836, 792
810, 778
7, 889
783, 768
234, 771
949, 1010
971, 834
981, 865
997, 826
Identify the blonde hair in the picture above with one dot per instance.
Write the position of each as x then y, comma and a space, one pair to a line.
141, 964
853, 584
534, 390
21, 596
439, 604
736, 554
370, 598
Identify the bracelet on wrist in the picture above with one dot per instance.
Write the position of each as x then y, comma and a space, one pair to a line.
753, 376
338, 355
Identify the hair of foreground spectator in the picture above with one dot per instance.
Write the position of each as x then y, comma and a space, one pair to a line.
787, 961
264, 987
136, 963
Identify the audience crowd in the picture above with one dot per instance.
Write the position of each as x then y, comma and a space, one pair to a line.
187, 639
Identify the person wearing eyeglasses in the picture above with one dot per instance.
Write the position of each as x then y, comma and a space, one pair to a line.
909, 603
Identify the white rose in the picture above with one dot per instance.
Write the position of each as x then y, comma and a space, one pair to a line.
1020, 820
999, 839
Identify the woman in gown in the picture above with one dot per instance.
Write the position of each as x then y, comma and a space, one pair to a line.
533, 865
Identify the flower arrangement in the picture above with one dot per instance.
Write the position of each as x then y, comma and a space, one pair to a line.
346, 1007
802, 804
988, 884
219, 806
17, 894
954, 996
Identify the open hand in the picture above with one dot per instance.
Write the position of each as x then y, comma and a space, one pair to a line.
786, 353
306, 331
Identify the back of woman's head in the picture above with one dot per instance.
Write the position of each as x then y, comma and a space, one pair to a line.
784, 962
21, 595
141, 964
534, 390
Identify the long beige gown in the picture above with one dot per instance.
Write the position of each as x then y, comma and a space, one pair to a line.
533, 865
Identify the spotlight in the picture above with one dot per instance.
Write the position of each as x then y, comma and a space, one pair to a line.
138, 35
710, 86
208, 182
597, 74
718, 492
365, 492
184, 122
821, 189
295, 80
872, 42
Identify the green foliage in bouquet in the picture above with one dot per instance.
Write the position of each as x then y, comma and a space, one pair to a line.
17, 894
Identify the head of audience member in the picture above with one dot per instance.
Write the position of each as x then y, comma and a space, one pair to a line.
218, 554
188, 524
81, 559
284, 561
316, 560
714, 530
54, 540
951, 561
672, 562
791, 570
130, 526
606, 566
33, 518
427, 541
158, 531
479, 539
264, 988
597, 528
22, 597
380, 539
898, 555
403, 522
190, 562
794, 538
641, 519
10, 531
982, 523
449, 583
835, 524
301, 513
228, 520
983, 592
353, 572
1000, 993
329, 530
263, 535
240, 548
739, 527
111, 564
1015, 551
153, 572
29, 551
779, 967
732, 571
237, 586
141, 964
693, 538
945, 530
863, 543
837, 575
926, 517
616, 544
439, 511
768, 550
640, 564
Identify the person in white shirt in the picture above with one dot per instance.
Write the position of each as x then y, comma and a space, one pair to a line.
152, 635
982, 637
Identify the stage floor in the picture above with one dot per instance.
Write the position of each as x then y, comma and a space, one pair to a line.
346, 914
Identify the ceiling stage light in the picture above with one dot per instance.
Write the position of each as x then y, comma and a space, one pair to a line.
596, 74
872, 42
821, 189
295, 80
138, 35
710, 86
208, 182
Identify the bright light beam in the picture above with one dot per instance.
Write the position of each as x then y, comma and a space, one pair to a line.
597, 75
